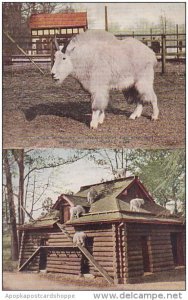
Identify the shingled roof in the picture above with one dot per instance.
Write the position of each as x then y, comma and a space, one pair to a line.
46, 221
58, 20
112, 205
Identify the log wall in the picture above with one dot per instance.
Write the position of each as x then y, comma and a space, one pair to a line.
31, 242
116, 247
159, 249
66, 260
104, 247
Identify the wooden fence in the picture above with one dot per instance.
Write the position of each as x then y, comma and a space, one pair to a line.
168, 47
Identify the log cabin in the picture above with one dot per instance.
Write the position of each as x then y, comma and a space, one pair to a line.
121, 245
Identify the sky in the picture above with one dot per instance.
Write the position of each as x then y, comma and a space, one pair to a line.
65, 178
128, 14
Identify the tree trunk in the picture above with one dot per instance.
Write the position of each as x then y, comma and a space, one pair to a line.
10, 199
19, 158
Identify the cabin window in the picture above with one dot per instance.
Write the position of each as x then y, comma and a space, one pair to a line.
75, 30
40, 32
177, 248
57, 31
63, 31
69, 31
34, 32
46, 32
51, 31
145, 253
81, 30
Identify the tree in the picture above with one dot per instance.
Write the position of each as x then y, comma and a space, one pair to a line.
163, 172
115, 159
19, 158
47, 205
10, 199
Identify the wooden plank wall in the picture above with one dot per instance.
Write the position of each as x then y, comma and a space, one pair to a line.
117, 248
159, 248
30, 243
103, 247
66, 261
134, 262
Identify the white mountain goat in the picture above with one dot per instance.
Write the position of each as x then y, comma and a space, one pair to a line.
119, 173
92, 195
101, 62
76, 211
79, 238
136, 203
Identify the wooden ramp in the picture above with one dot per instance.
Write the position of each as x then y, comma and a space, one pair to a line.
88, 256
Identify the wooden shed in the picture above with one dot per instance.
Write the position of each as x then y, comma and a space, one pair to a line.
121, 245
45, 26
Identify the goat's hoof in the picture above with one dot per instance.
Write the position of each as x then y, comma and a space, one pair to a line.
93, 125
101, 118
132, 117
154, 118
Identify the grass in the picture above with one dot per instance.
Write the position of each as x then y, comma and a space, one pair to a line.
8, 263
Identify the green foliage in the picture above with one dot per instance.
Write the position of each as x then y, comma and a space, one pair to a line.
163, 173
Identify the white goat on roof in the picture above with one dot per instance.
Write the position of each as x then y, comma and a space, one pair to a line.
101, 62
76, 211
135, 204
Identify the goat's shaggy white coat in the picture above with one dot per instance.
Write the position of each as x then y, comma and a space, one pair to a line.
119, 173
92, 195
79, 238
135, 204
101, 62
76, 211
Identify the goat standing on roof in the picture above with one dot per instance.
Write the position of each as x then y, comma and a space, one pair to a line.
135, 204
76, 211
101, 62
92, 195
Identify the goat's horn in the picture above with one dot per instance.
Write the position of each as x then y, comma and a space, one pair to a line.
65, 46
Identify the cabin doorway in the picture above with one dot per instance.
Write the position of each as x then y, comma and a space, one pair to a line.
85, 265
64, 212
43, 256
145, 254
177, 248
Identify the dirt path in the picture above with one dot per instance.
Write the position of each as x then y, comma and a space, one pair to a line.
37, 113
174, 280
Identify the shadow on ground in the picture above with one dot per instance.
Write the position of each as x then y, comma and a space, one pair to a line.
80, 112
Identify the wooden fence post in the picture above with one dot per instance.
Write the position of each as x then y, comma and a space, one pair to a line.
163, 37
106, 18
177, 37
52, 52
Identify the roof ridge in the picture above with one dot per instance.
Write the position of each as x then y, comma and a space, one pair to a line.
107, 182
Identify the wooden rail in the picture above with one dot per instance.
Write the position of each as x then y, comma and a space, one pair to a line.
41, 48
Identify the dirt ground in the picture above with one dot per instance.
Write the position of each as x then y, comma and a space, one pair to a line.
14, 281
37, 113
